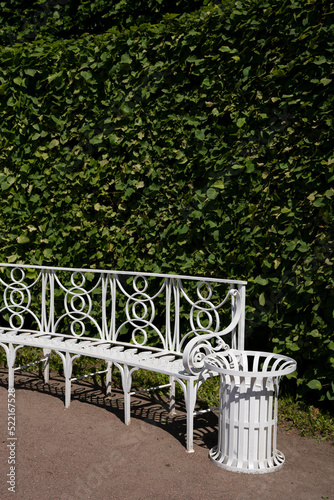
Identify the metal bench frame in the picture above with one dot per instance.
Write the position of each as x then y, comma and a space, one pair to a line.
56, 308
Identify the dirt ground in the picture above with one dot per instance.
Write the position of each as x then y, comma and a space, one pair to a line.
86, 452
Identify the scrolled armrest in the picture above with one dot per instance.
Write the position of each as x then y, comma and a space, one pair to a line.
199, 347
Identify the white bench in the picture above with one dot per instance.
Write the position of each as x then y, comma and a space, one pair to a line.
157, 322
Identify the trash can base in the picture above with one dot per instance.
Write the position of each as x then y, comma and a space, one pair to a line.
224, 462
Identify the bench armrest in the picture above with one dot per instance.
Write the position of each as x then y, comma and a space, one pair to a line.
200, 346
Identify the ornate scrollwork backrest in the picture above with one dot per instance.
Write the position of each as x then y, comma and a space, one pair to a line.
77, 303
140, 309
168, 311
204, 314
17, 299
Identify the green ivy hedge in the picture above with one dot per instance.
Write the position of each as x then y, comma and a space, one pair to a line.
201, 143
27, 20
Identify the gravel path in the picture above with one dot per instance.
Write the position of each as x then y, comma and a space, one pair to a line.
86, 452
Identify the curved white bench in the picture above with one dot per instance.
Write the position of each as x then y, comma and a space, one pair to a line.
157, 322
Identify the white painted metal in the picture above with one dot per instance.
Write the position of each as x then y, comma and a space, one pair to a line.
248, 399
78, 312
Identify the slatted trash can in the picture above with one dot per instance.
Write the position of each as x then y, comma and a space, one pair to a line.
247, 430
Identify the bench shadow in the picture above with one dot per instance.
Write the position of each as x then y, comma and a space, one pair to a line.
149, 407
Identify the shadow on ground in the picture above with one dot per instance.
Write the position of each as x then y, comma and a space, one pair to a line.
148, 407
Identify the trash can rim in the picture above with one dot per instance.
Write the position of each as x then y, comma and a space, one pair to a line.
289, 364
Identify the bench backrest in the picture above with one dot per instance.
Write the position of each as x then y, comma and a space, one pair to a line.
146, 309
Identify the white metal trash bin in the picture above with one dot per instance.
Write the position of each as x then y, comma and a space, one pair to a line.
247, 431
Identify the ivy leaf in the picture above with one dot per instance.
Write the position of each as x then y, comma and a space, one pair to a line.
314, 384
126, 59
303, 247
261, 281
319, 202
23, 239
13, 258
199, 134
47, 253
219, 185
212, 194
113, 139
325, 81
241, 122
53, 143
19, 81
87, 75
293, 346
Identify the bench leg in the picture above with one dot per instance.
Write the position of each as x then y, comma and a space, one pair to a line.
190, 389
11, 356
126, 373
68, 375
126, 383
47, 353
108, 377
172, 396
190, 405
68, 366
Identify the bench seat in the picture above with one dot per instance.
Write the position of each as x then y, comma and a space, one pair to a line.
157, 360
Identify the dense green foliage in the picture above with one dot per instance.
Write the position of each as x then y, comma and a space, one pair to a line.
201, 144
27, 20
